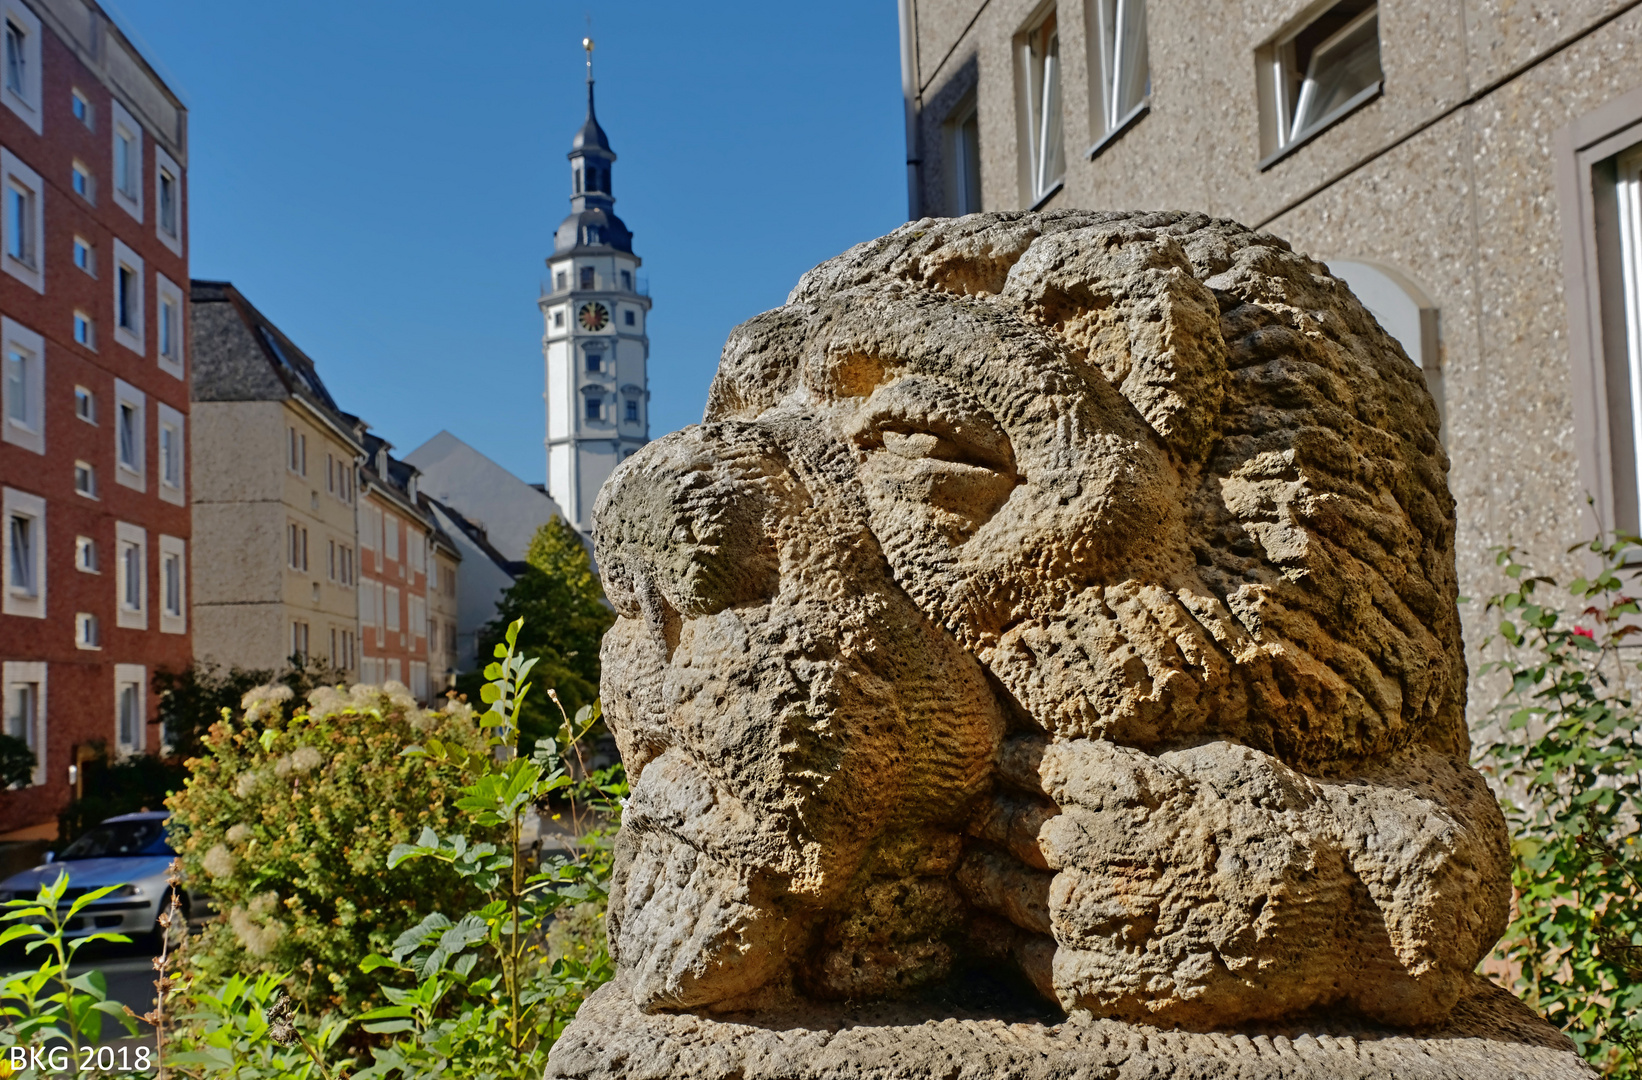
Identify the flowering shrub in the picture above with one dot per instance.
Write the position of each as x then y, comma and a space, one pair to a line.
287, 822
1569, 764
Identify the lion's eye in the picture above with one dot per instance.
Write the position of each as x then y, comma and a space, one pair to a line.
954, 444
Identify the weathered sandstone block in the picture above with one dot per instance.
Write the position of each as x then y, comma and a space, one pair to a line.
1053, 612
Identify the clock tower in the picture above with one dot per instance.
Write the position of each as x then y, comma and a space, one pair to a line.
595, 346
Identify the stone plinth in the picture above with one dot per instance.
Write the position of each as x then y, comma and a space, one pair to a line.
1488, 1035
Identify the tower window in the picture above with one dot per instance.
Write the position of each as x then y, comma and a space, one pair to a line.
562, 281
587, 277
577, 180
558, 318
595, 407
630, 320
627, 280
595, 361
632, 412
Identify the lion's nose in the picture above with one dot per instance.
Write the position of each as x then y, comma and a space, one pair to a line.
684, 525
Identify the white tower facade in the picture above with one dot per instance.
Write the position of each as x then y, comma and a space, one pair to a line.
595, 347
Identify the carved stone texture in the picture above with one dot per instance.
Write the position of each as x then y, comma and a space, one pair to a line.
1066, 598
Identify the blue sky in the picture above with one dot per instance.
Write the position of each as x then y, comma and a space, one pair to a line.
383, 179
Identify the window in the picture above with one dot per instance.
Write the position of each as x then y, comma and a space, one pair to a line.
25, 710
168, 210
85, 405
130, 407
561, 281
24, 388
331, 560
22, 221
130, 719
16, 57
169, 331
390, 536
299, 640
347, 573
1121, 67
25, 555
330, 474
131, 575
393, 671
173, 447
88, 632
1046, 153
128, 298
595, 361
299, 452
418, 616
419, 680
173, 585
587, 277
594, 407
296, 546
168, 202
128, 161
85, 554
20, 80
627, 280
85, 479
631, 319
433, 635
82, 182
81, 107
85, 331
85, 256
342, 655
632, 412
963, 159
558, 318
1317, 74
390, 605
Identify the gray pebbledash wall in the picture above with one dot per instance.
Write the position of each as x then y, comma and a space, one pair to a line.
1470, 175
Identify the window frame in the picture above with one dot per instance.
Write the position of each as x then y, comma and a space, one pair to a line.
89, 267
84, 545
26, 104
128, 676
174, 422
18, 673
168, 296
81, 109
16, 176
88, 632
16, 599
128, 539
1042, 101
1275, 67
134, 336
89, 398
129, 201
89, 491
173, 552
164, 164
89, 341
1116, 115
30, 432
83, 182
126, 473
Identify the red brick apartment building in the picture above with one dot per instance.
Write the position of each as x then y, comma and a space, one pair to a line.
93, 394
401, 552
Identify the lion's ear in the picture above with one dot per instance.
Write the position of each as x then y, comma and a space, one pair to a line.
760, 363
1126, 301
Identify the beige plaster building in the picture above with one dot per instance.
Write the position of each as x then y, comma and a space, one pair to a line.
275, 490
1472, 167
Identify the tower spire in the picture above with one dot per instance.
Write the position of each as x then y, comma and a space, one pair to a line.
587, 43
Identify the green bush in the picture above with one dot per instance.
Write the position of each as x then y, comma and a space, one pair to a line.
1569, 765
287, 822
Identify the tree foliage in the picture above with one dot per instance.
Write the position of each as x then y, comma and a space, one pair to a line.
1569, 764
191, 700
565, 616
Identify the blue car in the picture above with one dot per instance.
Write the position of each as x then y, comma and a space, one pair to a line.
130, 851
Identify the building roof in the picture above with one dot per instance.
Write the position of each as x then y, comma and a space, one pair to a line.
502, 506
475, 535
592, 226
240, 355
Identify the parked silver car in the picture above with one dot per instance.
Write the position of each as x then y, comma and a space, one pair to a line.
131, 851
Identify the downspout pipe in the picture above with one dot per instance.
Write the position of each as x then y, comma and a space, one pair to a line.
909, 96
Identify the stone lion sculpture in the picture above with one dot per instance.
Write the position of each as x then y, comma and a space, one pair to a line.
1071, 592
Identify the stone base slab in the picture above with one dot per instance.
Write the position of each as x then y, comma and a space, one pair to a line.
1490, 1036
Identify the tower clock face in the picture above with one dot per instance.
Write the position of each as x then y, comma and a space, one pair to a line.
594, 316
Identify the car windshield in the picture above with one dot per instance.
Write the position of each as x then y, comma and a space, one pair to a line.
113, 839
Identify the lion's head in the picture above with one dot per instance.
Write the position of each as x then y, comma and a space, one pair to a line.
1056, 587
